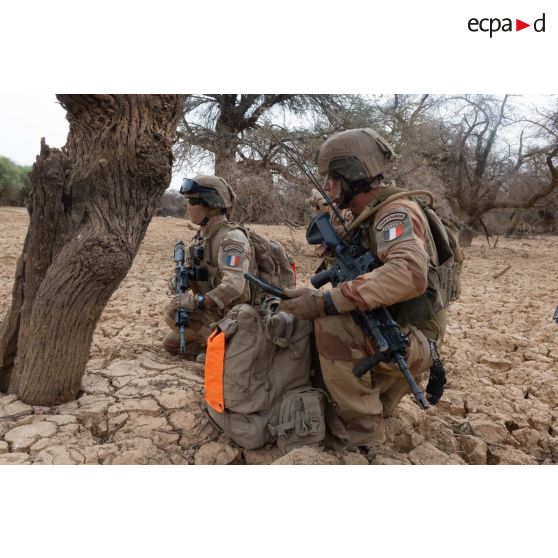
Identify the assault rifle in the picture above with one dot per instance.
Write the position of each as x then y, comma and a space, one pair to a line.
352, 261
183, 276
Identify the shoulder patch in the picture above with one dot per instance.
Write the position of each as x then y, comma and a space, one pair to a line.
397, 216
395, 226
233, 260
393, 230
232, 252
232, 244
233, 248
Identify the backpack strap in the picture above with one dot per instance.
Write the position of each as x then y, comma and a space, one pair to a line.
369, 211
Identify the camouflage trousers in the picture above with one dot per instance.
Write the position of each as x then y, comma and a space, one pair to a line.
196, 333
362, 404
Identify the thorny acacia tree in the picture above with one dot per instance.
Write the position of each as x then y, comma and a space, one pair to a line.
483, 170
218, 126
90, 206
535, 178
231, 133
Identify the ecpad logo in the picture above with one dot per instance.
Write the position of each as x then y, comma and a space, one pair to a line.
494, 24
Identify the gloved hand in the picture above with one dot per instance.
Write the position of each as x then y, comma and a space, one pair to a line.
171, 284
304, 304
314, 199
187, 301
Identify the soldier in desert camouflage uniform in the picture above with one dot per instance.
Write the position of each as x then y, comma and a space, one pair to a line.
353, 163
223, 249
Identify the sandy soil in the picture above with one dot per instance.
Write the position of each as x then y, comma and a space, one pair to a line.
140, 405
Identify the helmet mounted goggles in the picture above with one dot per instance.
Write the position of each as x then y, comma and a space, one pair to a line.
208, 195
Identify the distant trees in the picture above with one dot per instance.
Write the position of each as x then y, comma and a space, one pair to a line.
490, 160
488, 167
479, 153
221, 127
484, 156
172, 204
15, 184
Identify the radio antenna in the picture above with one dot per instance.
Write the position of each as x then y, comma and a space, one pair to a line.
294, 154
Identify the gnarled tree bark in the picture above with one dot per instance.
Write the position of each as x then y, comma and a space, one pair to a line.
89, 210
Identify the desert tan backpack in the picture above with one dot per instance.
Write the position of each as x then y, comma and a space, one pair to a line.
257, 379
271, 263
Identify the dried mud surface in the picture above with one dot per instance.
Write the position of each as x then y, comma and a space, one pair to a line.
140, 405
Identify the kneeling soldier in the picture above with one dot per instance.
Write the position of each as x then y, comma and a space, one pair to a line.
221, 248
353, 163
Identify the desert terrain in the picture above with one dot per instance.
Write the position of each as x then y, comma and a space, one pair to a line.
139, 405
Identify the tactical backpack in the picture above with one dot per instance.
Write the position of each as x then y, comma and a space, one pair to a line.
444, 279
270, 262
450, 255
257, 379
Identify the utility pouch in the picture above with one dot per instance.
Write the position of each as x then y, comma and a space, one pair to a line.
301, 419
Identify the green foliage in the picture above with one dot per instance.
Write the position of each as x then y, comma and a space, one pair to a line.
15, 184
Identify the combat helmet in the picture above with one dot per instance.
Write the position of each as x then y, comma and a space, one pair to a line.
212, 190
357, 156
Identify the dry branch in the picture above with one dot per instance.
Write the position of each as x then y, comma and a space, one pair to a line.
500, 273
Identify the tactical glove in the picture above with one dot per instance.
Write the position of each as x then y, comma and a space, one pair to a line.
171, 284
315, 199
436, 383
304, 304
187, 301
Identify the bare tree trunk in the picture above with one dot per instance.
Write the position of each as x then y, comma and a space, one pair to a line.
225, 153
514, 221
90, 207
225, 164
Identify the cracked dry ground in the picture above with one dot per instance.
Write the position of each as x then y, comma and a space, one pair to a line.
139, 405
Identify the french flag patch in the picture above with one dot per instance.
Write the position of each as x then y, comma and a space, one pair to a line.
233, 261
393, 232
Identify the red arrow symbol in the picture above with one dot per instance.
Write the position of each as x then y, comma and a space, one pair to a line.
519, 25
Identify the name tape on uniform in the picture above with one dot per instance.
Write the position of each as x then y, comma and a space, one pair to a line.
399, 216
